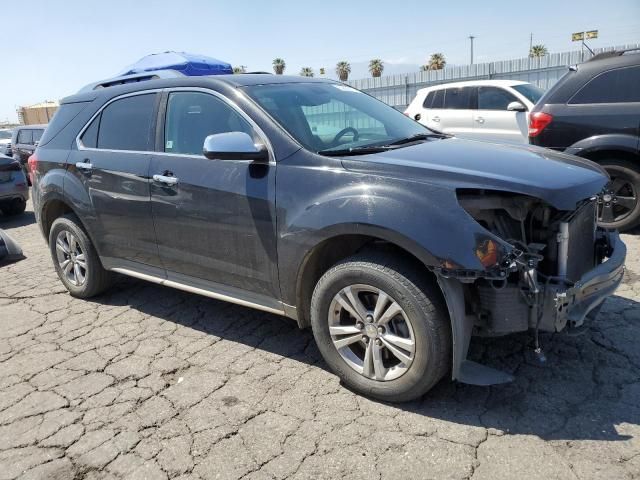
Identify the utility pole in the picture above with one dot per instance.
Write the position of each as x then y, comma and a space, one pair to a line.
530, 43
471, 37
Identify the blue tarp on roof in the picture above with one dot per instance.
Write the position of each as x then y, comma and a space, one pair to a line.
186, 63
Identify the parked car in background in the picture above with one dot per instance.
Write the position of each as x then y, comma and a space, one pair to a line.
14, 191
593, 111
25, 140
5, 141
393, 243
493, 110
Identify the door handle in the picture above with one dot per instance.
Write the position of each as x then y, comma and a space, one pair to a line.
86, 165
167, 180
479, 119
435, 119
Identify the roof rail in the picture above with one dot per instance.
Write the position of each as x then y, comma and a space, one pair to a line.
133, 78
614, 53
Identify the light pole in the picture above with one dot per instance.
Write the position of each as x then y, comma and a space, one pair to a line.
471, 37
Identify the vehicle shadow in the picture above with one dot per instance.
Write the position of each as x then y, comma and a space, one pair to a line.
588, 388
8, 222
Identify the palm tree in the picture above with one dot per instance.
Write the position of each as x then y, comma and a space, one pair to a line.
436, 62
538, 51
376, 67
279, 65
306, 72
343, 69
240, 69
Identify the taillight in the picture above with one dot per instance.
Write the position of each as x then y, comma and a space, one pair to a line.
32, 164
538, 121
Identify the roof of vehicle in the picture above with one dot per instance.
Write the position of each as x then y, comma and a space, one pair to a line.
579, 75
475, 83
30, 127
234, 81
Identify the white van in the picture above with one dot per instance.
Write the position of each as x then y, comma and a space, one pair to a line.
495, 110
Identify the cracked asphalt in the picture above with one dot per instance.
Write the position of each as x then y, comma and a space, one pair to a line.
147, 382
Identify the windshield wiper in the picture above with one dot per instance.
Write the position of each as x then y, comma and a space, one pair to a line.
354, 151
415, 138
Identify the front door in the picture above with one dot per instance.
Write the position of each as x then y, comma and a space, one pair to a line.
493, 122
215, 220
112, 166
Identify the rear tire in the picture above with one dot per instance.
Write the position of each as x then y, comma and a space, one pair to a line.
623, 211
14, 207
75, 258
421, 325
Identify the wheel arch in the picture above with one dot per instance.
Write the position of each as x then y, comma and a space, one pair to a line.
335, 248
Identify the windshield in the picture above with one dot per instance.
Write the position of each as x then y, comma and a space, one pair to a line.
530, 92
328, 116
5, 134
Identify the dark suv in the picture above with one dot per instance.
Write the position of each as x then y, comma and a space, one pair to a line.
310, 199
594, 112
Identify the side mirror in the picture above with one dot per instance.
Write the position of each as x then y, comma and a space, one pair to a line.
234, 146
516, 107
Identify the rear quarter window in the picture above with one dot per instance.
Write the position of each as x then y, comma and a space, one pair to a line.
621, 85
63, 116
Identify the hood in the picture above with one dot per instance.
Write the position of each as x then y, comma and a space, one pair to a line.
559, 179
4, 141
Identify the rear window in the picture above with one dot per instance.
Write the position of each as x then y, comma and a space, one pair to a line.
128, 124
25, 137
63, 116
457, 98
615, 86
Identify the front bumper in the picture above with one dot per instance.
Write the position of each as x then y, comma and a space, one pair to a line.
572, 305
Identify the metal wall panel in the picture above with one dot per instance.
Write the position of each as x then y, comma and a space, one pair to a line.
399, 90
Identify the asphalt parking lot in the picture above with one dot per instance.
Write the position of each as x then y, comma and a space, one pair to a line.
149, 382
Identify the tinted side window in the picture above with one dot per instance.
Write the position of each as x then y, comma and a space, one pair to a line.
457, 98
429, 100
25, 137
493, 98
128, 124
438, 99
615, 86
192, 116
37, 135
90, 136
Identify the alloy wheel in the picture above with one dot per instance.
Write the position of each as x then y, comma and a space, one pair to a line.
371, 332
617, 201
71, 258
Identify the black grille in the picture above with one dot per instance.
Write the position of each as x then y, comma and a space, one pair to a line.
582, 237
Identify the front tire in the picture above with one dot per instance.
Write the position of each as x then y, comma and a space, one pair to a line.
75, 259
382, 327
619, 205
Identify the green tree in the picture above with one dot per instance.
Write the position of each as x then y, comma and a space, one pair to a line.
240, 69
436, 62
538, 51
343, 69
376, 66
279, 65
306, 72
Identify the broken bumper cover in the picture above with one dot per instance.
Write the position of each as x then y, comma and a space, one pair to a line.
587, 294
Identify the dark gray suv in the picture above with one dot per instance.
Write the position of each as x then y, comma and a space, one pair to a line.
309, 199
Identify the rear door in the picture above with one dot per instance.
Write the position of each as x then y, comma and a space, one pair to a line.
216, 219
112, 165
456, 117
492, 121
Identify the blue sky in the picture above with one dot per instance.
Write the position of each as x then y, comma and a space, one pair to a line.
52, 48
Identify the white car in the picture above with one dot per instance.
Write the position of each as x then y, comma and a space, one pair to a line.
494, 110
5, 142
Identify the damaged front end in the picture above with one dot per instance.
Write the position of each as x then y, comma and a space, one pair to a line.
544, 270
